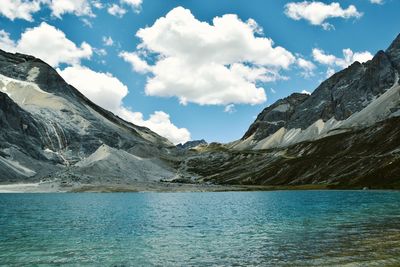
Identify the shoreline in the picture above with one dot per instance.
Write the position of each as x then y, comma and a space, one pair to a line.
159, 187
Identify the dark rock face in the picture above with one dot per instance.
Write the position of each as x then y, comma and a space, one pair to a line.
340, 96
18, 126
191, 144
275, 116
394, 52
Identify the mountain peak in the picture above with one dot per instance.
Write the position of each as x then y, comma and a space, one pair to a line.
394, 52
395, 45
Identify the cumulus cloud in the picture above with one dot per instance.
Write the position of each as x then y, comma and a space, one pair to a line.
116, 10
349, 57
47, 43
19, 9
119, 10
5, 42
209, 64
160, 123
139, 65
108, 92
318, 12
307, 66
376, 1
24, 9
77, 7
306, 92
135, 4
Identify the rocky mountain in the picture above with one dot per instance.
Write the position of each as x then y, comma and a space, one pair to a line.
192, 144
49, 129
355, 97
345, 134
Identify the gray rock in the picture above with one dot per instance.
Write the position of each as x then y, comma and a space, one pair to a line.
192, 144
49, 121
343, 94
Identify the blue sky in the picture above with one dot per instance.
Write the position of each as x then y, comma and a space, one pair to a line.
208, 104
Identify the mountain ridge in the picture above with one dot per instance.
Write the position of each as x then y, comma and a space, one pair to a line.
334, 101
346, 133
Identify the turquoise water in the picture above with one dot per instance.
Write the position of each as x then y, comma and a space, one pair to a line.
283, 228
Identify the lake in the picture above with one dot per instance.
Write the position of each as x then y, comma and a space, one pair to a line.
280, 228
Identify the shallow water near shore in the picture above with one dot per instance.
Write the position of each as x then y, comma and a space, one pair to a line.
280, 228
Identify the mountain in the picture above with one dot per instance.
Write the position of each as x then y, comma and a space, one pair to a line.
49, 129
355, 97
192, 144
345, 134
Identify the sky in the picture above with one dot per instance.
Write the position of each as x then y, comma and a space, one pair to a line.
196, 69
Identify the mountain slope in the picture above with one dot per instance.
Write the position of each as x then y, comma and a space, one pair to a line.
332, 107
345, 134
51, 122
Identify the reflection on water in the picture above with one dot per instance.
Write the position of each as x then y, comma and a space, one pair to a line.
293, 228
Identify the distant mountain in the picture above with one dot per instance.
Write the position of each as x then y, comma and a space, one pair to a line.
192, 144
48, 128
345, 134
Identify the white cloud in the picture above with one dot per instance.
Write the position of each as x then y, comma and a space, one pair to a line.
318, 12
273, 90
329, 72
306, 92
5, 42
24, 9
116, 10
160, 123
349, 57
376, 1
108, 92
108, 41
47, 43
77, 7
307, 67
230, 108
102, 88
139, 65
135, 4
19, 9
320, 56
215, 64
97, 4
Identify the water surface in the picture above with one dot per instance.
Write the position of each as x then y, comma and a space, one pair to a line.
282, 228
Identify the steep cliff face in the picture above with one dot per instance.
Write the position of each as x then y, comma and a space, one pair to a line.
274, 117
50, 121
